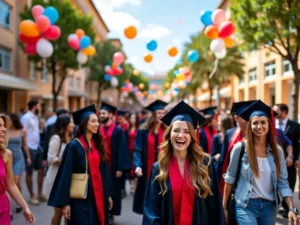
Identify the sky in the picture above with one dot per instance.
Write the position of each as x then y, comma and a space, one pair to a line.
169, 22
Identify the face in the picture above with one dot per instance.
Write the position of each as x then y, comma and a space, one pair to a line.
260, 125
70, 127
133, 119
104, 116
242, 123
160, 114
36, 109
2, 131
180, 136
93, 124
281, 115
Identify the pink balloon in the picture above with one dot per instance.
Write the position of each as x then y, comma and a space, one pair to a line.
118, 58
118, 71
37, 10
43, 23
74, 43
218, 16
52, 33
110, 72
226, 29
30, 49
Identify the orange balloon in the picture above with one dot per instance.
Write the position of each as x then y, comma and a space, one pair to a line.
80, 33
211, 32
29, 28
130, 32
89, 51
173, 51
229, 42
114, 66
148, 58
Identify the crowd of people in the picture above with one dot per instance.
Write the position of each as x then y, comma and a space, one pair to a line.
185, 166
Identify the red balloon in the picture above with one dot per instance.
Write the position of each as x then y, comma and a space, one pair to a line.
226, 29
110, 72
30, 49
52, 33
29, 40
42, 23
118, 71
74, 43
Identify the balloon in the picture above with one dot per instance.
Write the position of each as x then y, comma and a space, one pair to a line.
148, 58
110, 72
136, 72
218, 16
107, 77
85, 42
29, 40
81, 58
74, 42
106, 68
80, 33
42, 23
130, 32
172, 51
217, 45
71, 36
118, 71
222, 54
205, 17
176, 72
30, 49
229, 42
114, 82
44, 48
29, 28
211, 32
193, 56
52, 14
141, 86
226, 29
52, 33
37, 10
114, 66
89, 51
118, 58
180, 76
152, 45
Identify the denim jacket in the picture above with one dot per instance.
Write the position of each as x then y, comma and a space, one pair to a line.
244, 185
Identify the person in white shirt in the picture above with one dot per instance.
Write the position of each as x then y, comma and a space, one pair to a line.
30, 122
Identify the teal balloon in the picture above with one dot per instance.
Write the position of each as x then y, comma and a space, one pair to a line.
107, 77
193, 56
85, 42
52, 14
152, 45
206, 17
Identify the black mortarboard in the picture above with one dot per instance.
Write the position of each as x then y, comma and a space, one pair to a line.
121, 112
108, 107
183, 112
156, 105
209, 111
238, 107
81, 114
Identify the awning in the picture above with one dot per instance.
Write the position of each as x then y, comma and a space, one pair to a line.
225, 92
13, 82
76, 93
47, 97
203, 97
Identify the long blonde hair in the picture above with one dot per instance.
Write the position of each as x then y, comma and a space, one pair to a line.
271, 140
6, 124
195, 156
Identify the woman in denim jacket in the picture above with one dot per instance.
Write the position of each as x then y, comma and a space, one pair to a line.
263, 172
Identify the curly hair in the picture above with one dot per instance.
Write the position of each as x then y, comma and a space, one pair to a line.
195, 156
6, 124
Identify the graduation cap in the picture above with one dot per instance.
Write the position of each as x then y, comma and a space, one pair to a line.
81, 114
238, 107
121, 112
209, 111
108, 107
183, 112
156, 105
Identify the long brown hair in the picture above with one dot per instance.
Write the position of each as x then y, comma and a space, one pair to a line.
195, 157
271, 140
6, 124
151, 123
226, 123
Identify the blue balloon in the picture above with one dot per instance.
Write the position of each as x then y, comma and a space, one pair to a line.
85, 42
150, 92
176, 89
176, 72
206, 17
52, 14
133, 91
107, 77
152, 45
188, 83
193, 56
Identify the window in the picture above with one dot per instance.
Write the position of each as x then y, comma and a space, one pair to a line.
270, 69
71, 81
45, 75
242, 79
5, 15
287, 66
5, 56
78, 83
252, 74
32, 71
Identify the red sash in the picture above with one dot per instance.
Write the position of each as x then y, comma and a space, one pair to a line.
236, 137
131, 137
183, 194
106, 135
94, 162
151, 148
209, 137
124, 126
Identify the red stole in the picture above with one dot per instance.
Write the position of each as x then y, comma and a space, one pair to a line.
124, 126
236, 137
106, 135
151, 148
183, 194
94, 162
131, 137
209, 137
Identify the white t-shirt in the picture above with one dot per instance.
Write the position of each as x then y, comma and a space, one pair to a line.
30, 123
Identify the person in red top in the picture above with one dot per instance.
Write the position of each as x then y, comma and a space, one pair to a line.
122, 120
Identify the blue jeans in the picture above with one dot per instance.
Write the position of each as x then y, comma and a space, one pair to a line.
258, 212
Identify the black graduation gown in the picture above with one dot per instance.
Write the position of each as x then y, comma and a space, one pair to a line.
227, 138
83, 211
216, 149
158, 209
203, 140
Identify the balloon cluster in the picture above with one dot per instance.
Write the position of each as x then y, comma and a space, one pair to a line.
114, 69
182, 77
81, 43
128, 87
219, 29
37, 34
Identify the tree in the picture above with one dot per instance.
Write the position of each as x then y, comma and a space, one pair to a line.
63, 57
274, 25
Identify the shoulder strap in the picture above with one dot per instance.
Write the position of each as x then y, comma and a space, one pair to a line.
86, 162
59, 147
240, 163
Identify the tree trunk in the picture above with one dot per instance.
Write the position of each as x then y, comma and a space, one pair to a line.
210, 88
54, 92
296, 83
99, 95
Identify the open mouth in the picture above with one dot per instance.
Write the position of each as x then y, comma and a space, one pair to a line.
180, 143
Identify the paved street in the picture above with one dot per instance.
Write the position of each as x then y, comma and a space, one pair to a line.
43, 213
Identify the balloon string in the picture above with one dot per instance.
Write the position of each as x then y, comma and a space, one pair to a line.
216, 62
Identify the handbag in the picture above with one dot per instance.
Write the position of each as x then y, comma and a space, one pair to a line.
79, 183
231, 200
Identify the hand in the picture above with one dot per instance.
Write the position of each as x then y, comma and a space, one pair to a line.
217, 156
297, 164
110, 203
289, 161
139, 171
119, 174
29, 217
292, 217
56, 162
45, 163
28, 160
67, 212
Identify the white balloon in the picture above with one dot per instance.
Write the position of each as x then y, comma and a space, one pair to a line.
125, 94
217, 45
81, 58
114, 82
44, 48
71, 36
222, 54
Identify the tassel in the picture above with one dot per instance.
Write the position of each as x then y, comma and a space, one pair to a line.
273, 123
198, 134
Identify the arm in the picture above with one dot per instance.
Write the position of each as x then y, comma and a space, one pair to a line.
54, 145
25, 147
138, 153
